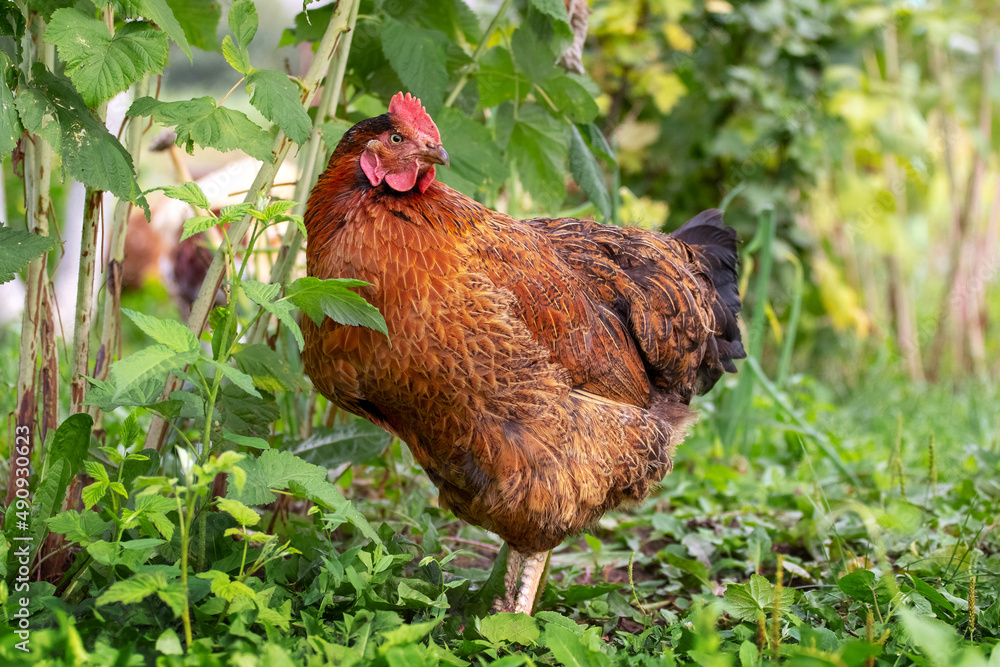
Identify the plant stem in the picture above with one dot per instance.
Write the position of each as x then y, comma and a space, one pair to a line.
38, 205
480, 50
328, 102
112, 318
263, 182
84, 317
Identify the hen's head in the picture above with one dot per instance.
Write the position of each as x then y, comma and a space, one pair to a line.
400, 147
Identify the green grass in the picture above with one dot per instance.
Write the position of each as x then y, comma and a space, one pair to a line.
876, 573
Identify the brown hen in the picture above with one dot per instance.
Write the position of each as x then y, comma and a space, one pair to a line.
539, 370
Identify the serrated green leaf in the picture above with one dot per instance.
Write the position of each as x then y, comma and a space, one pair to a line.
235, 212
333, 299
498, 80
171, 333
270, 371
554, 9
189, 193
134, 589
198, 224
243, 22
149, 363
243, 514
238, 378
101, 65
538, 146
419, 57
89, 152
200, 21
237, 57
588, 174
200, 121
245, 414
264, 295
10, 122
476, 163
80, 528
92, 494
572, 97
19, 248
332, 133
754, 600
48, 497
354, 441
97, 471
503, 628
568, 648
162, 14
276, 97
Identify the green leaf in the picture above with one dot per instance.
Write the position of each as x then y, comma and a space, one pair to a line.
476, 162
171, 333
106, 396
497, 79
243, 22
134, 589
80, 528
554, 9
332, 133
588, 174
149, 363
101, 65
276, 97
19, 248
355, 441
89, 152
245, 440
162, 14
238, 378
270, 371
419, 58
753, 600
568, 648
332, 298
97, 470
200, 121
189, 193
200, 21
538, 147
245, 414
169, 643
237, 57
572, 97
859, 585
49, 494
92, 494
503, 628
234, 212
243, 514
264, 295
10, 122
533, 56
693, 567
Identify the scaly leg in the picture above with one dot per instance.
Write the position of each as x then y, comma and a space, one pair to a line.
534, 568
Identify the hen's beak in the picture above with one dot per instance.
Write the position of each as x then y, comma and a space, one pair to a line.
437, 155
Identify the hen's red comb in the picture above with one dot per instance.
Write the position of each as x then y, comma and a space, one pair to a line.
411, 111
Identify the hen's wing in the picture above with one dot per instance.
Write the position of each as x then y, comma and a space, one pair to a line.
621, 308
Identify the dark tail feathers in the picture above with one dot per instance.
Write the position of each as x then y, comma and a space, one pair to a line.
717, 245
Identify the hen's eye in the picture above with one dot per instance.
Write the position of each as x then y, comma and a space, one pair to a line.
396, 139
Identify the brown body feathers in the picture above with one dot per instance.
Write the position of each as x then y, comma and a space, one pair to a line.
539, 370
